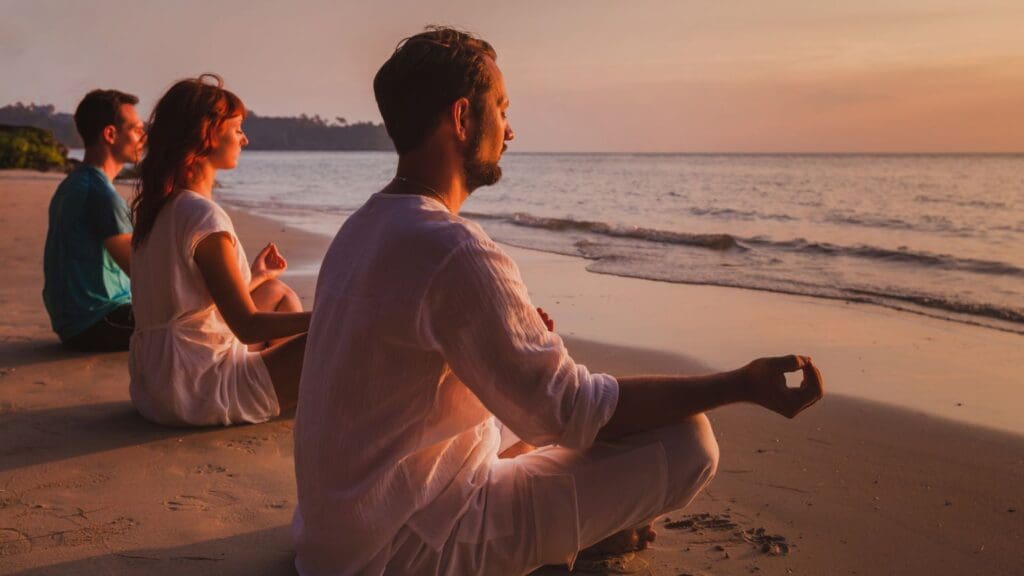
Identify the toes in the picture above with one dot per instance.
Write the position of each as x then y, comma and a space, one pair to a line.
646, 535
646, 531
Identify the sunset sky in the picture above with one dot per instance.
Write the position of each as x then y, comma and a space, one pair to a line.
644, 76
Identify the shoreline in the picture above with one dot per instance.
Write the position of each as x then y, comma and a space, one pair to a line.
89, 487
996, 323
958, 371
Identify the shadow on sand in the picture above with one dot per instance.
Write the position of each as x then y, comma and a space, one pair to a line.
53, 434
23, 353
264, 552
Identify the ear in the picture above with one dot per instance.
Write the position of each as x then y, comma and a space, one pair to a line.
461, 118
109, 133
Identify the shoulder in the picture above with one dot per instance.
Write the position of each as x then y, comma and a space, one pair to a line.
410, 223
454, 230
200, 212
433, 223
193, 204
450, 238
83, 179
464, 246
92, 191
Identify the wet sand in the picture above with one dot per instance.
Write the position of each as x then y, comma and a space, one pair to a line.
853, 486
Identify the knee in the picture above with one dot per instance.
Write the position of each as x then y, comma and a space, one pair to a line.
692, 459
705, 445
285, 299
290, 301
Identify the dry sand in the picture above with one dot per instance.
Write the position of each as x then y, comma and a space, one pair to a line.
854, 486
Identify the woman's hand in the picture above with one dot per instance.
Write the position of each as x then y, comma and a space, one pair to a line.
217, 259
546, 319
269, 264
764, 381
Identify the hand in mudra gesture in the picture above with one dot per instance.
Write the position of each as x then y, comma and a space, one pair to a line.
269, 263
766, 381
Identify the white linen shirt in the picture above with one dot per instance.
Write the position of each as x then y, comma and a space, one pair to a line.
422, 337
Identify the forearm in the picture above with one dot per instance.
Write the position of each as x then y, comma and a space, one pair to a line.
120, 249
649, 402
265, 326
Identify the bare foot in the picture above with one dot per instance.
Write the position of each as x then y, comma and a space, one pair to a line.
629, 540
646, 535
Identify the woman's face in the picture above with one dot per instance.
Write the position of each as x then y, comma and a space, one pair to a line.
228, 144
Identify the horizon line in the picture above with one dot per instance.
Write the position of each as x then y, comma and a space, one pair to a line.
705, 153
682, 153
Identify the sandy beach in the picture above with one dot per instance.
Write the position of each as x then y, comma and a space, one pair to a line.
913, 464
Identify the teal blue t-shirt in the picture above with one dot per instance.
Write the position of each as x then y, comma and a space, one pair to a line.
83, 283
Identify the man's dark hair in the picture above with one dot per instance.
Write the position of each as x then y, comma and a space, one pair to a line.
425, 75
99, 109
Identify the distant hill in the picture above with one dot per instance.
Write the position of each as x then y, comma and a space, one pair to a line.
264, 132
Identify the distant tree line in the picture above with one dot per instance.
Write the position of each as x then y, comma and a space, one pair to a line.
313, 133
264, 132
61, 124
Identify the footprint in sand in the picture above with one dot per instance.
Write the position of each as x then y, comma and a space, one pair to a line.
700, 522
248, 444
76, 479
759, 538
209, 501
8, 499
93, 532
209, 469
770, 544
184, 502
13, 542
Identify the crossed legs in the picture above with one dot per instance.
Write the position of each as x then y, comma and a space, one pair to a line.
544, 506
283, 357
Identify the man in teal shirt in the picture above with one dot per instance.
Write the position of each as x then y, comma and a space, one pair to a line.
88, 244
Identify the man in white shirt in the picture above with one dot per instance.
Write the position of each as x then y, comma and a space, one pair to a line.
426, 359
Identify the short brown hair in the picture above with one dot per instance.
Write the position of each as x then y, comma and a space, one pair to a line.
426, 74
99, 109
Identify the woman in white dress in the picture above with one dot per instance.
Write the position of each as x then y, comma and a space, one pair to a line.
216, 342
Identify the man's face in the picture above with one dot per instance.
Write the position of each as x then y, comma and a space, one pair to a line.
489, 135
131, 136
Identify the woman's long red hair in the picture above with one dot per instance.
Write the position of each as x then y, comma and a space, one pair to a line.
182, 131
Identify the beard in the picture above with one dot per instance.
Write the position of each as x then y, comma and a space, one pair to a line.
477, 172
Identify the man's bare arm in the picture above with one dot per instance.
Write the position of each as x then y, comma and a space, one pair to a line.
120, 248
649, 402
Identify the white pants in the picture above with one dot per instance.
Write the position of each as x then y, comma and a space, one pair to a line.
542, 507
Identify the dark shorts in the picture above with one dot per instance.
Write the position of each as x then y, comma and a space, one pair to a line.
111, 333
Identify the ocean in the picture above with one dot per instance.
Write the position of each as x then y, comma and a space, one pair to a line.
941, 235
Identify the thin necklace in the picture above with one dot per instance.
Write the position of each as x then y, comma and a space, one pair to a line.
420, 184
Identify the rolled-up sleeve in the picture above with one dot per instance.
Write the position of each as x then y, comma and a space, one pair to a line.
477, 314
